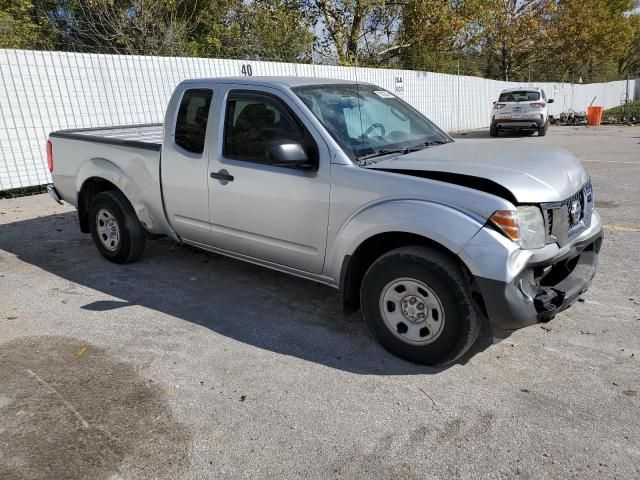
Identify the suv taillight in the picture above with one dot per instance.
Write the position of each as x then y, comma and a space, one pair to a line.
50, 156
538, 105
498, 106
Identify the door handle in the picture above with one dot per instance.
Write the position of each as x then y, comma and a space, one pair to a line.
223, 176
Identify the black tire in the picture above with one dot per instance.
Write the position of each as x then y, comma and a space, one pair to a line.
493, 131
131, 239
542, 131
444, 277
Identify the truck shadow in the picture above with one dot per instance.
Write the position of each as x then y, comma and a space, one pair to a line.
250, 304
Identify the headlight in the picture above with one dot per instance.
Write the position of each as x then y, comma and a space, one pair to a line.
589, 193
531, 223
524, 226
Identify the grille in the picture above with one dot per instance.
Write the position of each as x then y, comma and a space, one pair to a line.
566, 219
574, 208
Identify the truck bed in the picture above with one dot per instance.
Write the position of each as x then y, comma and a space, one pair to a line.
126, 156
146, 136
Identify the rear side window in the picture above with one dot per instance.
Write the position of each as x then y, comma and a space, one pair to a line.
520, 96
191, 124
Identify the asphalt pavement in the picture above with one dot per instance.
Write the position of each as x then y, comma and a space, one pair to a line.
191, 365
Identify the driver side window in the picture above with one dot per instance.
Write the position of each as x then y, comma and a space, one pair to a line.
252, 122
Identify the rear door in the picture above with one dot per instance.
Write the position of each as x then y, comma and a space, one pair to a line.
184, 161
272, 213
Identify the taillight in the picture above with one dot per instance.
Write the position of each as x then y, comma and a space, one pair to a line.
498, 106
538, 105
50, 156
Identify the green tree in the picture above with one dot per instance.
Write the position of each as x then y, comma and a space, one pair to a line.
515, 35
23, 24
215, 28
154, 27
349, 29
17, 29
259, 29
268, 30
437, 35
629, 62
590, 41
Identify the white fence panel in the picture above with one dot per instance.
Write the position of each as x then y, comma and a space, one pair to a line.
45, 91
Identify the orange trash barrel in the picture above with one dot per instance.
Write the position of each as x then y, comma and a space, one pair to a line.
594, 116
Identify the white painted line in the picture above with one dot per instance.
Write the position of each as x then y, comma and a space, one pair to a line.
85, 425
611, 161
618, 228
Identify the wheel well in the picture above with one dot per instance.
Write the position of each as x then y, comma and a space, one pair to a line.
355, 266
90, 188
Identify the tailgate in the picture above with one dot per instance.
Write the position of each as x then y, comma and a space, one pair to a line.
518, 111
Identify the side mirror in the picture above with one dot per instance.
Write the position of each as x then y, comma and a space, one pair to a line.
550, 100
291, 154
495, 103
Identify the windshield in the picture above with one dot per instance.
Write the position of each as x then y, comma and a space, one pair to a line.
520, 96
368, 121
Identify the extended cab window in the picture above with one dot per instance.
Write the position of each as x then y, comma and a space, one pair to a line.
191, 124
252, 122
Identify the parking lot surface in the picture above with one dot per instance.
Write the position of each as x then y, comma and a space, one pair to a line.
192, 365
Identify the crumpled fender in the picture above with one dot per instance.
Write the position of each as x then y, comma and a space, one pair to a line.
443, 224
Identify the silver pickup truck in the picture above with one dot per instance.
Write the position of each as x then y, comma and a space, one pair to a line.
345, 184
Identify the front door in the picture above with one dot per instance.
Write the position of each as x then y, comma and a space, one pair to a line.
260, 210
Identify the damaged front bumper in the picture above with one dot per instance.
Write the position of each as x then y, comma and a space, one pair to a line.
542, 289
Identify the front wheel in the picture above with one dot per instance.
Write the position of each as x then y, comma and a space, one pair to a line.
115, 227
416, 303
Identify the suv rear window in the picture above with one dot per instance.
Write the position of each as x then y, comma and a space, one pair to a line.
520, 96
191, 124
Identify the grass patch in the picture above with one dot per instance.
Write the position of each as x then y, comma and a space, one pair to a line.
23, 191
634, 110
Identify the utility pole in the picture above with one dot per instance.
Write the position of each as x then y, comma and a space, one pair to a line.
458, 99
626, 100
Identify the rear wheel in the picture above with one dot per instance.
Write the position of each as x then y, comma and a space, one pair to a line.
416, 303
115, 227
493, 131
542, 131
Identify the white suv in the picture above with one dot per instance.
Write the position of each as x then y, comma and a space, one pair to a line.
521, 109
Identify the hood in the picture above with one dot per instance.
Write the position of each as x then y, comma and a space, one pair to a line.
526, 172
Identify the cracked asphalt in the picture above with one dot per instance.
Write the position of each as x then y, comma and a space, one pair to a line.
190, 365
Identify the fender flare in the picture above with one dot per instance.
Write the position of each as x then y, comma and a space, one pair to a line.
447, 226
105, 169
